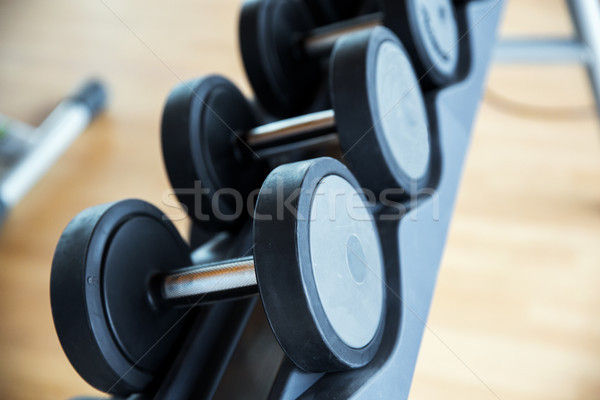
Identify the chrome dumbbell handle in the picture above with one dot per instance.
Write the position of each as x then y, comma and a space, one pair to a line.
208, 282
308, 126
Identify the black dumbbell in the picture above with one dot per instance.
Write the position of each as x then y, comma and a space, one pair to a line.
121, 279
282, 52
210, 135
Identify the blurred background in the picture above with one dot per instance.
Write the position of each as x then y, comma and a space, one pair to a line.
516, 314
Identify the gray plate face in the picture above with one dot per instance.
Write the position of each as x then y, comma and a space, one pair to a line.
402, 113
346, 261
437, 26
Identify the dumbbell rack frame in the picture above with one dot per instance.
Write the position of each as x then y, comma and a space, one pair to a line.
583, 48
413, 248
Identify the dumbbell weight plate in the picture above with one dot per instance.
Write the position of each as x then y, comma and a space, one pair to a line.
432, 28
201, 124
381, 112
326, 269
106, 252
270, 47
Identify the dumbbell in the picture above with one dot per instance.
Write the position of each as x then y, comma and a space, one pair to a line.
283, 52
379, 122
26, 153
121, 279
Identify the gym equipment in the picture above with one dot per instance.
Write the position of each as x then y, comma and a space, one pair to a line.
115, 289
216, 360
210, 134
26, 152
282, 52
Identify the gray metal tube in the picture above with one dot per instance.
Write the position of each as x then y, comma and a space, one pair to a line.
521, 50
293, 129
56, 133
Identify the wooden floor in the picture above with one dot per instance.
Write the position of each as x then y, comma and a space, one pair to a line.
516, 313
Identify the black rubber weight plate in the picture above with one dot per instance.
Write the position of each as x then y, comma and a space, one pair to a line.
284, 270
283, 78
429, 31
380, 112
202, 125
101, 273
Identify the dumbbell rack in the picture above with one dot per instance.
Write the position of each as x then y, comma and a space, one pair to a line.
229, 351
229, 340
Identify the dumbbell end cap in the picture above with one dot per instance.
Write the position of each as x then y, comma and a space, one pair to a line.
92, 93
